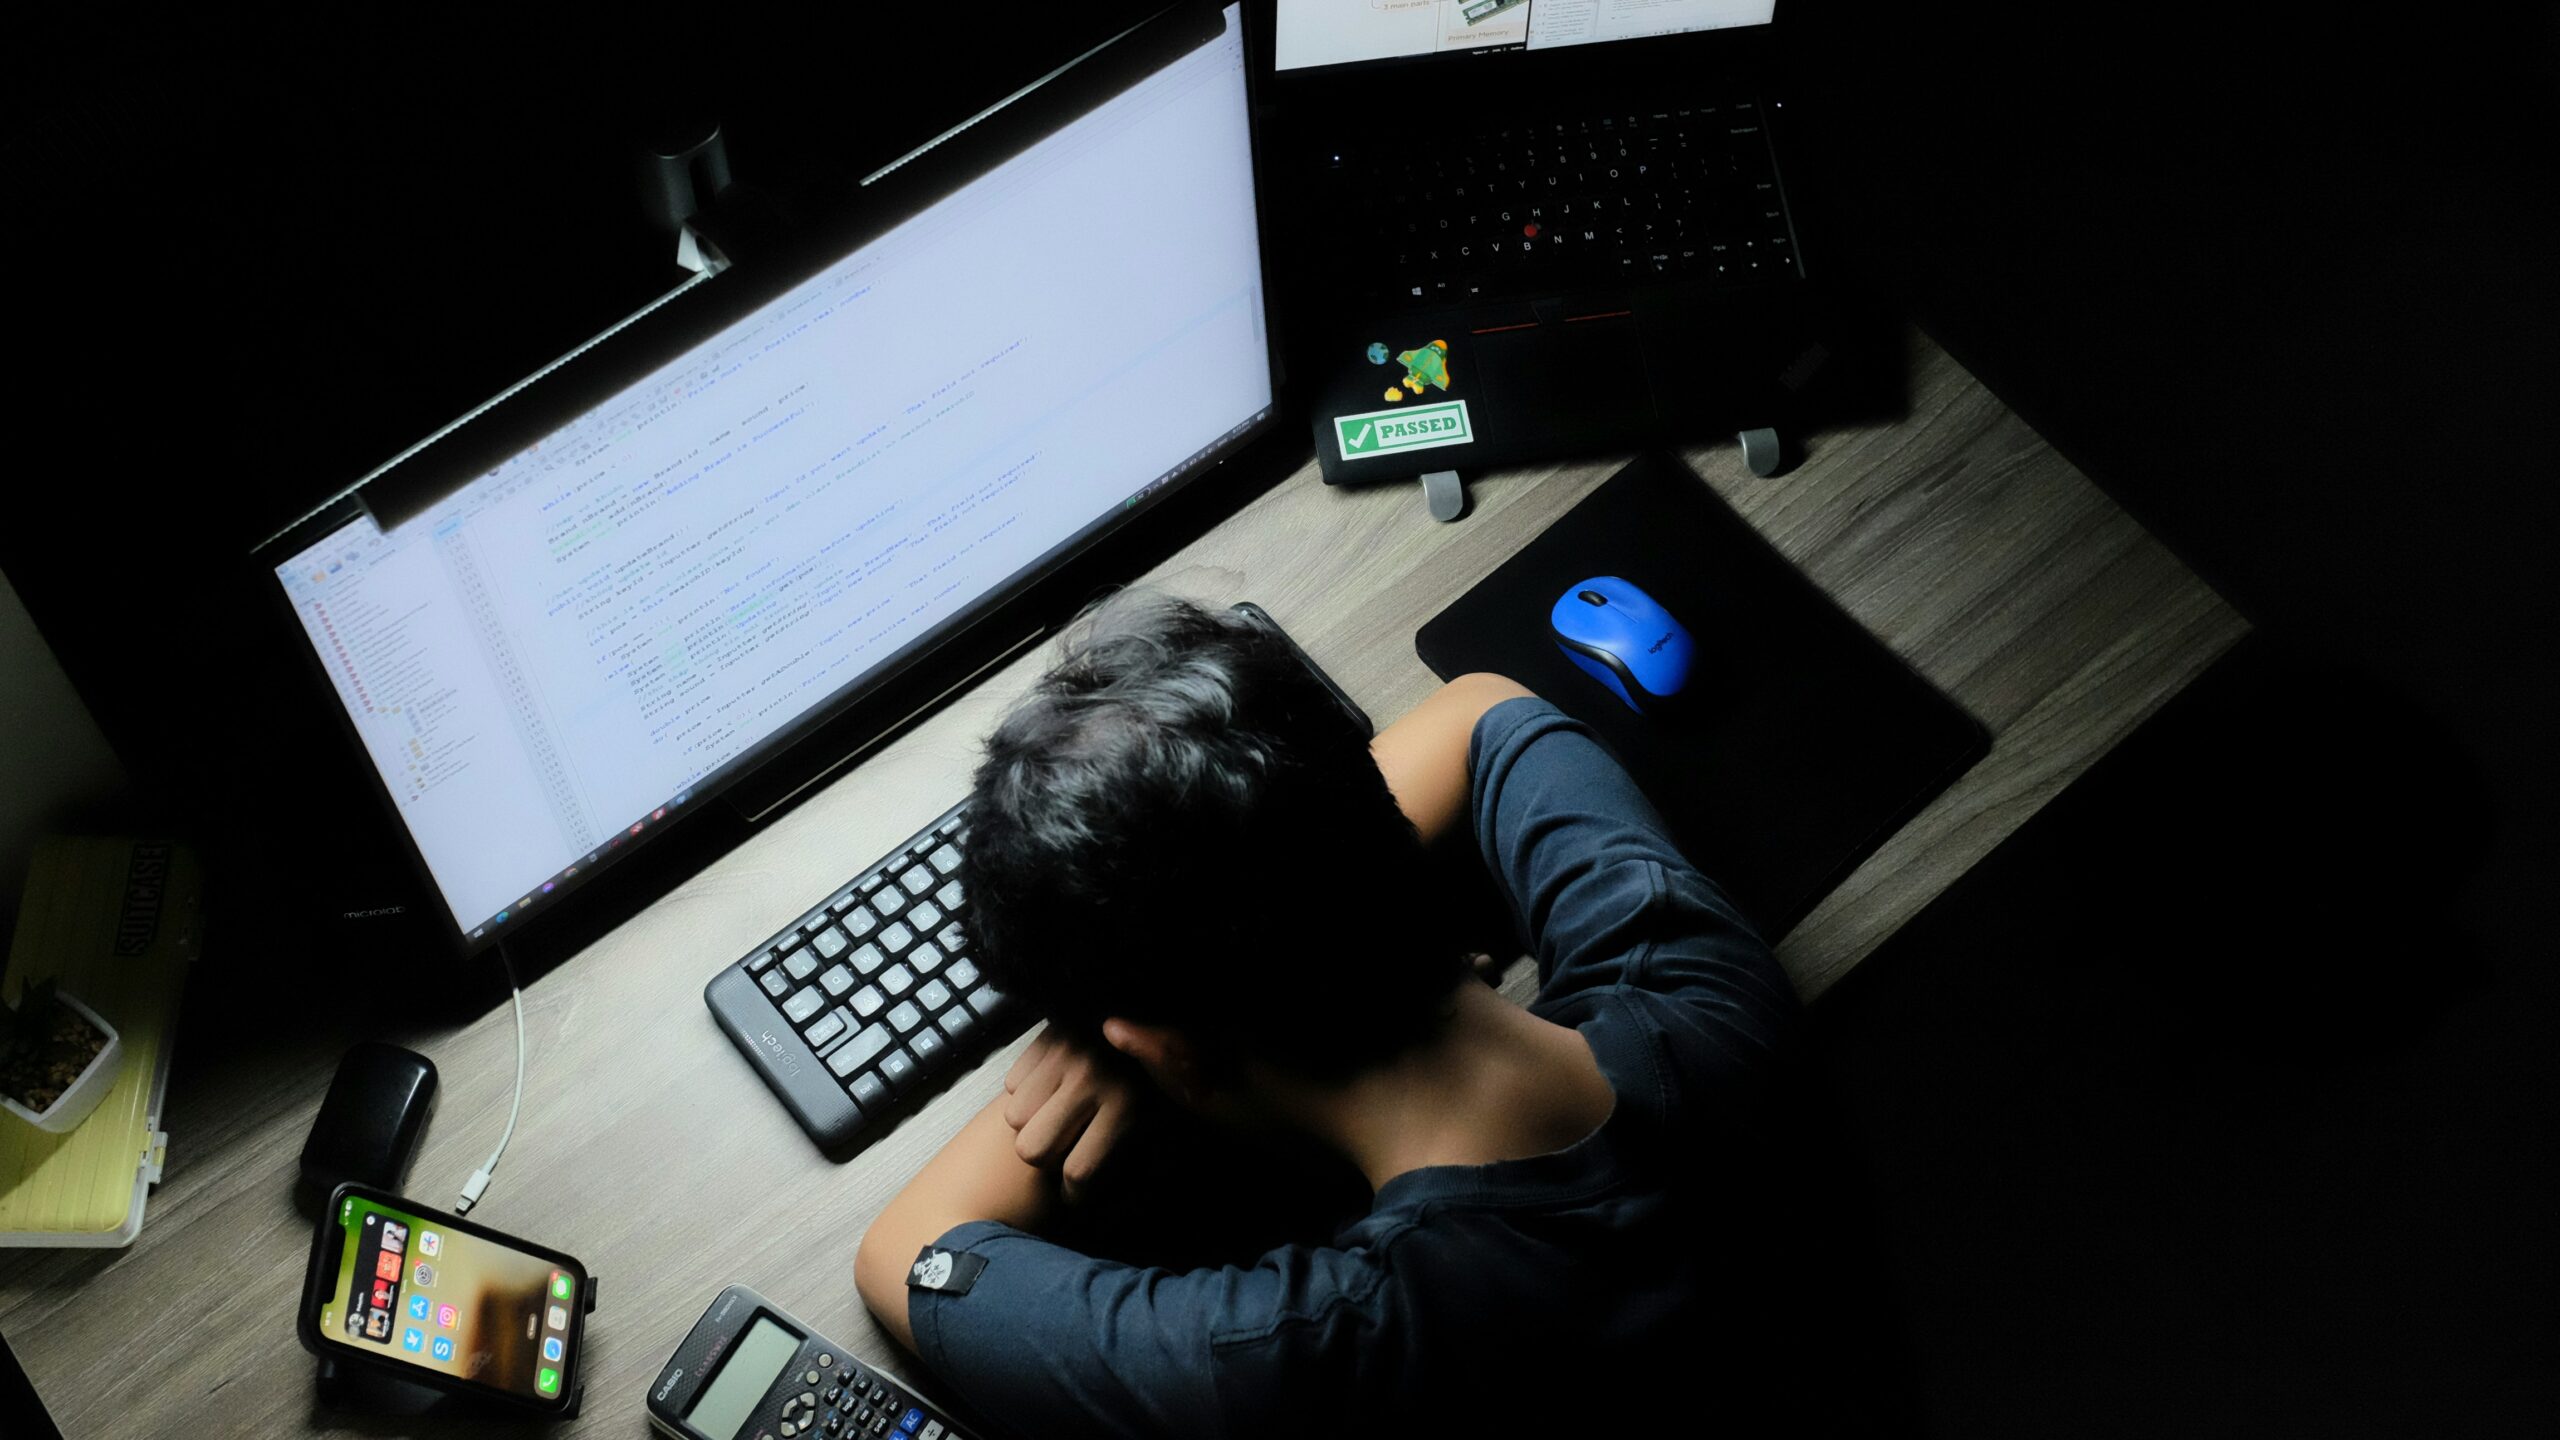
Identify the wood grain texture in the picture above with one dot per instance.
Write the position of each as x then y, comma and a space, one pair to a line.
651, 1151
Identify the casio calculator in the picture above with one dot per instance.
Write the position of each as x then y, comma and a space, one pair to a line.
748, 1371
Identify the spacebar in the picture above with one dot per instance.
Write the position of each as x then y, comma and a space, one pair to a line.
757, 1029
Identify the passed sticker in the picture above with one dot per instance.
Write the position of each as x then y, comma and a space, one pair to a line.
1410, 427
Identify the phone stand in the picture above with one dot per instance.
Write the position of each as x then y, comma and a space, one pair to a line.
367, 1390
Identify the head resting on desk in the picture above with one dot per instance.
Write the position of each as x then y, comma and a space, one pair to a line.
1181, 844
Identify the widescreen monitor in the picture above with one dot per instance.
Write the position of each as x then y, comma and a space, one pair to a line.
610, 625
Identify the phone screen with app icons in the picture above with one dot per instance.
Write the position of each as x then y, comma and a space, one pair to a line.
420, 1290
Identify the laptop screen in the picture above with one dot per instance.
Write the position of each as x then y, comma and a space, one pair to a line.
1343, 32
610, 625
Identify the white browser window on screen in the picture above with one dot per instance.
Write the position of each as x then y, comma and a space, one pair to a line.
1340, 32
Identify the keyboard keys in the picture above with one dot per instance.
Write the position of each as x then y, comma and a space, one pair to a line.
868, 1091
947, 860
861, 922
928, 1045
951, 894
889, 901
897, 1069
761, 961
934, 995
951, 939
868, 960
898, 980
803, 1004
957, 1022
868, 1000
925, 916
829, 1026
860, 1050
905, 1017
775, 983
801, 964
963, 974
918, 880
897, 938
831, 943
927, 958
985, 999
837, 980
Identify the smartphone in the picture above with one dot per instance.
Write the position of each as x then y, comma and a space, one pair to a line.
436, 1300
1262, 617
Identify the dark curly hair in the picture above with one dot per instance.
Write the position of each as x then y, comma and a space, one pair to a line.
1180, 826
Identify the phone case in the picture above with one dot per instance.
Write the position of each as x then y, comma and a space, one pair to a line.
353, 1380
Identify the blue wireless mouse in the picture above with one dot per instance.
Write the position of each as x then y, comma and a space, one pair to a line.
1624, 640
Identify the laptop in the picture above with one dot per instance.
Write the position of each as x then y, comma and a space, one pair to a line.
1525, 229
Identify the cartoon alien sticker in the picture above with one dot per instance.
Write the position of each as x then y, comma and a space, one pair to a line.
1423, 365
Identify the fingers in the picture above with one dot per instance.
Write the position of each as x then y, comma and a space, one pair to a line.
1036, 1086
1111, 1120
1046, 1136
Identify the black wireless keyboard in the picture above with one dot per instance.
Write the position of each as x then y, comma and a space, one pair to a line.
870, 997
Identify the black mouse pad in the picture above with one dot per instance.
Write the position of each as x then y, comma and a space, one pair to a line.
1800, 742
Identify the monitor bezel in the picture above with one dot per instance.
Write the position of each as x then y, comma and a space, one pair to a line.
908, 685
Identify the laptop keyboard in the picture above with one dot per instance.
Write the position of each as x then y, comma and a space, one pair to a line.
1560, 203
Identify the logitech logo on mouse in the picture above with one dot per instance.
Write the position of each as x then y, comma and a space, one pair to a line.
1658, 644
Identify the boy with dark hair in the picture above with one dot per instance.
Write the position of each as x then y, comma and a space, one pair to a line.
1191, 860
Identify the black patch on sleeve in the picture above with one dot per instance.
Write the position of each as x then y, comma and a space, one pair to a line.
951, 1272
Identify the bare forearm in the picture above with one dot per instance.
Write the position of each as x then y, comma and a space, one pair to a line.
978, 1176
1424, 754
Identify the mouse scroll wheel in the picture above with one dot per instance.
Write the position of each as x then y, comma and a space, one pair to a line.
1591, 597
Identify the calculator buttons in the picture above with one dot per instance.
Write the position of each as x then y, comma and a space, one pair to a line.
825, 1360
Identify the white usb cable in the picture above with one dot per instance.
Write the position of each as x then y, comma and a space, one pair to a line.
479, 1181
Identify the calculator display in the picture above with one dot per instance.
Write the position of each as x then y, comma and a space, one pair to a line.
733, 1395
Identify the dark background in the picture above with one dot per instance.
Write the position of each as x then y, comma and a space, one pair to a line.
2218, 1101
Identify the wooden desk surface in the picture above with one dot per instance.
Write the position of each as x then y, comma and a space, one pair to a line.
651, 1151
